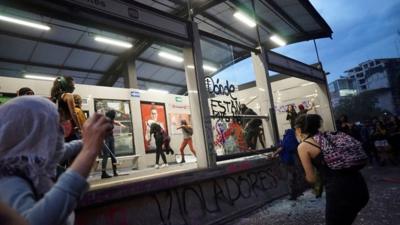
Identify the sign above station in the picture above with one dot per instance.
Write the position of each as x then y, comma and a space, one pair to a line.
137, 14
285, 65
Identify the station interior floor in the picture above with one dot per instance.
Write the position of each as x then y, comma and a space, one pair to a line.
127, 175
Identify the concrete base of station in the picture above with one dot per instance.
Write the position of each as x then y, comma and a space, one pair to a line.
193, 197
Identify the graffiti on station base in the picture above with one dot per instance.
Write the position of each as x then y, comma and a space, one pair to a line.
185, 205
227, 190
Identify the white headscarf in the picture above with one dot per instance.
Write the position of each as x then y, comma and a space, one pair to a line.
31, 141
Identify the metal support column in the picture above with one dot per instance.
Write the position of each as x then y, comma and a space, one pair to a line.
130, 75
326, 85
265, 99
198, 97
265, 82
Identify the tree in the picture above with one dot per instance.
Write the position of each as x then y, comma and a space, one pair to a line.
360, 107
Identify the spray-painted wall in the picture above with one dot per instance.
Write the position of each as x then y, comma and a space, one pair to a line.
195, 198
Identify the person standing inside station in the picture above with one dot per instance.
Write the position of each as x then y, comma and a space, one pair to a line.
78, 110
303, 110
109, 147
252, 127
291, 115
61, 94
187, 132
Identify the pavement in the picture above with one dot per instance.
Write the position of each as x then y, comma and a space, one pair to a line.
383, 207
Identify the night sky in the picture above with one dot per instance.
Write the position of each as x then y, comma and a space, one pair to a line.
362, 30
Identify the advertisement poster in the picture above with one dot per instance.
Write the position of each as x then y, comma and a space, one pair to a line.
175, 121
152, 112
123, 135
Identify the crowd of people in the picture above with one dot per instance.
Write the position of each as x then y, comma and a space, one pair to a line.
380, 137
55, 131
321, 157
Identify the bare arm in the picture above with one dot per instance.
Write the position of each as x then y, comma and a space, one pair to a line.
305, 159
119, 123
277, 152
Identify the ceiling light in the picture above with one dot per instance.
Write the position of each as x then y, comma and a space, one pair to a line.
245, 19
170, 56
310, 96
205, 67
114, 42
24, 22
209, 68
39, 77
307, 84
159, 91
279, 41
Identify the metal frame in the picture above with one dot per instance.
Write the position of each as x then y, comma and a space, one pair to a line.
61, 10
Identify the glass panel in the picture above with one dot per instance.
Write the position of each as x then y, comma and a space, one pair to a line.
304, 96
233, 100
142, 80
123, 134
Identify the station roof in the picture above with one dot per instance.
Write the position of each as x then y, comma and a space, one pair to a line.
69, 48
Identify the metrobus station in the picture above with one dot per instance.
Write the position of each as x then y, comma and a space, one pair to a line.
168, 61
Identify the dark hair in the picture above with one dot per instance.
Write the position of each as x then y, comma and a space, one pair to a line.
301, 107
183, 122
111, 114
61, 85
25, 91
343, 118
309, 123
292, 108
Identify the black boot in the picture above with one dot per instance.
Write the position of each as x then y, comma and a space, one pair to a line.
183, 160
104, 174
115, 170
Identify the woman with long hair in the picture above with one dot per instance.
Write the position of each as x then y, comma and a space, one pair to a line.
61, 94
291, 115
346, 190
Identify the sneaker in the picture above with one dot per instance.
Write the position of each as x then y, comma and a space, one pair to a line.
164, 165
156, 166
116, 174
105, 175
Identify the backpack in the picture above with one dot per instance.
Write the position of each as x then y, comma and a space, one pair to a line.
189, 130
341, 151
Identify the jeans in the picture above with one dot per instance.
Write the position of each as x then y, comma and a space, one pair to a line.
109, 141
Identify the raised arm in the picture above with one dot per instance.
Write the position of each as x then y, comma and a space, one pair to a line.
59, 202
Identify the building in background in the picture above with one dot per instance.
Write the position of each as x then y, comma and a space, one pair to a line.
381, 77
341, 88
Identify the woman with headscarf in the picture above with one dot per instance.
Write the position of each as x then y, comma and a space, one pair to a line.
30, 148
